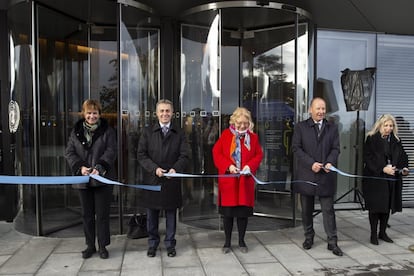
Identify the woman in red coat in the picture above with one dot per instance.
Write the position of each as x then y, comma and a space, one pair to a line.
237, 151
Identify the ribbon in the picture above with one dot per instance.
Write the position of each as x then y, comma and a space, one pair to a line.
43, 180
258, 181
156, 188
332, 168
242, 173
66, 180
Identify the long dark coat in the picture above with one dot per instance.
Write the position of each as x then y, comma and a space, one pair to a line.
307, 149
171, 151
103, 151
381, 196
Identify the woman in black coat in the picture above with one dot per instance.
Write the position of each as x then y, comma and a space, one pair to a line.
92, 149
384, 158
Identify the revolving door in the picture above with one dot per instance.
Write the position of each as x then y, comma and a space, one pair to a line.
111, 54
241, 54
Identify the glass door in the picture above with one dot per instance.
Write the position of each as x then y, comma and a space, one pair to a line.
260, 64
200, 99
62, 81
139, 90
116, 64
270, 80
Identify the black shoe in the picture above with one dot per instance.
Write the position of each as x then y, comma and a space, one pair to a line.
307, 244
243, 247
88, 252
335, 249
171, 252
385, 238
374, 239
151, 252
226, 249
103, 253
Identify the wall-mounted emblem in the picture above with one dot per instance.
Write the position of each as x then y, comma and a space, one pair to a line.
14, 116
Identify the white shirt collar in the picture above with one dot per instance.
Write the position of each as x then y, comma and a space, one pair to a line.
167, 125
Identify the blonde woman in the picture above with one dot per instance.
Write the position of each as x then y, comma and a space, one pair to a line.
384, 158
238, 149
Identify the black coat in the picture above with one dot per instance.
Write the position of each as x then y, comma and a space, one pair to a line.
307, 149
169, 152
103, 151
381, 196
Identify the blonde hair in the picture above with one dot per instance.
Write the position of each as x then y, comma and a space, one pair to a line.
381, 121
242, 112
91, 104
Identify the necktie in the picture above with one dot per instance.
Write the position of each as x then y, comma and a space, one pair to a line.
318, 127
164, 130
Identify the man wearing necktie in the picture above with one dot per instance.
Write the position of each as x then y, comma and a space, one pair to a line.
162, 149
164, 129
315, 146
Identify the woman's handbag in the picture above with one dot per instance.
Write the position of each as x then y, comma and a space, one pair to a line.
137, 226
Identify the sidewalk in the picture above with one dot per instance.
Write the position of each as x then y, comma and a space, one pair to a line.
276, 252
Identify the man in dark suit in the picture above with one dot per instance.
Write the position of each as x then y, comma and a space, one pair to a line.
162, 149
315, 146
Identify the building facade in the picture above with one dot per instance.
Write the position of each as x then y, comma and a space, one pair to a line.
208, 59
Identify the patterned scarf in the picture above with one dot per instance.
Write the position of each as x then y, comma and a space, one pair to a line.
88, 131
235, 146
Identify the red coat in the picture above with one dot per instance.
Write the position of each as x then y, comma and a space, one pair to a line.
236, 191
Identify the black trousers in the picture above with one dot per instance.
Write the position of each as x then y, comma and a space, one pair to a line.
96, 203
328, 213
170, 224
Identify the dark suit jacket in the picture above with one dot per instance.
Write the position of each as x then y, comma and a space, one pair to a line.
382, 195
308, 148
171, 151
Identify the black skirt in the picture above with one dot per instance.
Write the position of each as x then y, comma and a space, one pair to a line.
236, 211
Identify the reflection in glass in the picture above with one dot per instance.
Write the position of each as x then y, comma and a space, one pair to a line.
200, 98
139, 70
22, 156
62, 66
258, 68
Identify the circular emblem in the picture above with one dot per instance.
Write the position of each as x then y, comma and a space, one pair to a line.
14, 116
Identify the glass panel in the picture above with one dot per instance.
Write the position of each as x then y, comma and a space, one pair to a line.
200, 110
21, 93
63, 64
140, 92
304, 68
336, 52
258, 69
269, 74
103, 53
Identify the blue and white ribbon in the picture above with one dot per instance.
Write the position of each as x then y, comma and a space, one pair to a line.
332, 168
68, 180
242, 173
